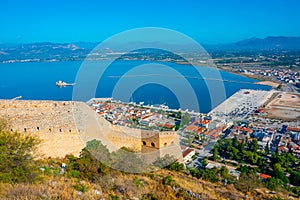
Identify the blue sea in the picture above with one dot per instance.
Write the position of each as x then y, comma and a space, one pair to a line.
139, 81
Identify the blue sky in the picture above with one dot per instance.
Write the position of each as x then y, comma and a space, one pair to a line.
207, 21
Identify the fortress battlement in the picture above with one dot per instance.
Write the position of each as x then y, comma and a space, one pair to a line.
65, 126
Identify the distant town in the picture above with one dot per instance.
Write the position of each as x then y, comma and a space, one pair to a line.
270, 118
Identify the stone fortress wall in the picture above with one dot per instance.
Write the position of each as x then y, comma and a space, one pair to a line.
51, 121
39, 116
65, 127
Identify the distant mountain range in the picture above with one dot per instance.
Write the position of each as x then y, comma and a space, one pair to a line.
257, 44
268, 43
44, 51
79, 50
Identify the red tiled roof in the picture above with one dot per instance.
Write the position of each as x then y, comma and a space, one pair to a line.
168, 126
187, 152
195, 129
264, 176
215, 133
293, 129
200, 130
205, 122
282, 148
147, 116
192, 128
239, 128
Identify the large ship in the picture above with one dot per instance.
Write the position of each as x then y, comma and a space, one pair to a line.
63, 84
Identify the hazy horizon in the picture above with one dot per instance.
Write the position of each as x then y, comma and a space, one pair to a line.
96, 42
208, 22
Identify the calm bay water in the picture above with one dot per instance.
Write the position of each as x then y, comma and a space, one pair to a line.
36, 81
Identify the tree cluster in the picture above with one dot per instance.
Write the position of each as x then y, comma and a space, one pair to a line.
281, 166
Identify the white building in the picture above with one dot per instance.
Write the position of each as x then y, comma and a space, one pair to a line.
188, 154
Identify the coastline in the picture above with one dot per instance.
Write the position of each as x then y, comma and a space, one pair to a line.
260, 80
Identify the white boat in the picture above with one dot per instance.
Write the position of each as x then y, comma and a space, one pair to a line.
63, 84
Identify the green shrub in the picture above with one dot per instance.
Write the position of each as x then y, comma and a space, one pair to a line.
274, 184
138, 182
167, 180
114, 197
81, 187
88, 165
248, 182
75, 173
16, 160
176, 166
296, 190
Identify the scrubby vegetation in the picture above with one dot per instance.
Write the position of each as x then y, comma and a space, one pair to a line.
16, 160
85, 177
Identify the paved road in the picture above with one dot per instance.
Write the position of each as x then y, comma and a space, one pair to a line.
206, 152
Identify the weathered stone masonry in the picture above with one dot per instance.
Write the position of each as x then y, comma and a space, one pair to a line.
65, 127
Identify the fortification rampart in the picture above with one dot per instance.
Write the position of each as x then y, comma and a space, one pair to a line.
51, 121
65, 127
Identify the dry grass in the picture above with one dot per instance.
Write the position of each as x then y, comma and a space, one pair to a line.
206, 189
126, 186
54, 188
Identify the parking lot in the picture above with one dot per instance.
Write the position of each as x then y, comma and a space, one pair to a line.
241, 104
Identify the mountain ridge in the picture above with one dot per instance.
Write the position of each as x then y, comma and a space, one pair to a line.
288, 42
268, 43
49, 51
